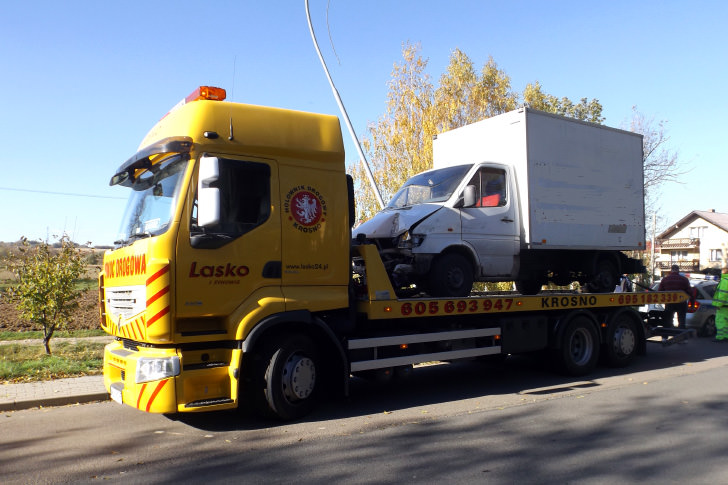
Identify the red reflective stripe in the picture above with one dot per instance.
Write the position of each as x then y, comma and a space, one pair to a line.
154, 394
158, 295
156, 317
141, 393
156, 275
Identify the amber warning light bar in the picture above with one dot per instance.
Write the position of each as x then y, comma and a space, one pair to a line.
206, 92
209, 93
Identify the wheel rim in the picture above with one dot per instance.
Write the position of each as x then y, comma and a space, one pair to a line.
581, 346
299, 377
710, 330
455, 277
624, 340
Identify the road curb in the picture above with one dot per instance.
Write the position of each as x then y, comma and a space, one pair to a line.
53, 401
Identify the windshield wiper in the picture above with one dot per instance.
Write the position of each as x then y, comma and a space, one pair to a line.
133, 237
140, 235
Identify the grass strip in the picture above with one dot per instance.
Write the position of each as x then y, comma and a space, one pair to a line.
33, 334
27, 363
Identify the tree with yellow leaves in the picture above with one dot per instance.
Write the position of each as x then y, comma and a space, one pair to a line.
400, 142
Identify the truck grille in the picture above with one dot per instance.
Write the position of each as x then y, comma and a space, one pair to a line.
126, 301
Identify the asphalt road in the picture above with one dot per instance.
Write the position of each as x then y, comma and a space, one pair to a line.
664, 419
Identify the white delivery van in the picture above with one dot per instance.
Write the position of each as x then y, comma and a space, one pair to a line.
525, 196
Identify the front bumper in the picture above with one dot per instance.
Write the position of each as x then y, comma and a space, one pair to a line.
205, 383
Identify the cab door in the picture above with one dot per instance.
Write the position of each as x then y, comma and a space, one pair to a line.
491, 225
220, 266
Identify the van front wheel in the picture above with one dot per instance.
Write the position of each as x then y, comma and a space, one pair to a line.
451, 275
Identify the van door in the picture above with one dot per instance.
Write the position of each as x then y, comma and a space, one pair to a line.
491, 225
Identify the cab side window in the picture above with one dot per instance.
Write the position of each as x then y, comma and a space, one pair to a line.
490, 187
245, 201
245, 196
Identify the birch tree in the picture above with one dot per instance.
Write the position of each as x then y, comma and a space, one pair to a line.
399, 143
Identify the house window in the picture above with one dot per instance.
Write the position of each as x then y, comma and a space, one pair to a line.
698, 232
678, 255
716, 255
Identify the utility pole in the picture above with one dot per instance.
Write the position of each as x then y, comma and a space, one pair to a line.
344, 114
652, 256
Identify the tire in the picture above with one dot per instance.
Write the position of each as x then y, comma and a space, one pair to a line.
579, 350
605, 277
708, 329
528, 287
622, 338
451, 275
287, 381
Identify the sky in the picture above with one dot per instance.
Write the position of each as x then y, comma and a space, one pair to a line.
83, 81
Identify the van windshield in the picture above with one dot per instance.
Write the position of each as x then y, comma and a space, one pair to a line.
152, 202
432, 186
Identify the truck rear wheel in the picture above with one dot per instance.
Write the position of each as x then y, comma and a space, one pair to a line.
579, 350
622, 337
287, 377
451, 275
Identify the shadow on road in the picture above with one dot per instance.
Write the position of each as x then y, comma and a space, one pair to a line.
527, 375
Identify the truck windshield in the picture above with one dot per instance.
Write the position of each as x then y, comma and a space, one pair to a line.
433, 186
152, 201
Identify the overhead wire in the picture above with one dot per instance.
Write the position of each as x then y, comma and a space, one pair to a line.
67, 194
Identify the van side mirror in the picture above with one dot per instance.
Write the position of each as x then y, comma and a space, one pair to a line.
469, 198
208, 195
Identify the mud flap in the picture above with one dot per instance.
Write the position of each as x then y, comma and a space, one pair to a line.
669, 336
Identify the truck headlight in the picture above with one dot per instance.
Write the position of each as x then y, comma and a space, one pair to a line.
156, 368
409, 241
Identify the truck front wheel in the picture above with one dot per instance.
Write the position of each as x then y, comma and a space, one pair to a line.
451, 275
288, 381
579, 350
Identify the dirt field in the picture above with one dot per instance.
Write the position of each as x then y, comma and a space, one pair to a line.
85, 317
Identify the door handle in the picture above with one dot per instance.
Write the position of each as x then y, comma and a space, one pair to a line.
505, 219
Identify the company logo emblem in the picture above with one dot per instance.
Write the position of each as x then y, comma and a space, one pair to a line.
227, 274
306, 208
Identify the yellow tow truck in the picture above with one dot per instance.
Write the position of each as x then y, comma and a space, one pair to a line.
235, 277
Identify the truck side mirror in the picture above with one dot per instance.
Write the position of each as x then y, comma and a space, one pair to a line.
208, 195
469, 198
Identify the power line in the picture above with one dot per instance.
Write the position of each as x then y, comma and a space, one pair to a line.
67, 194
